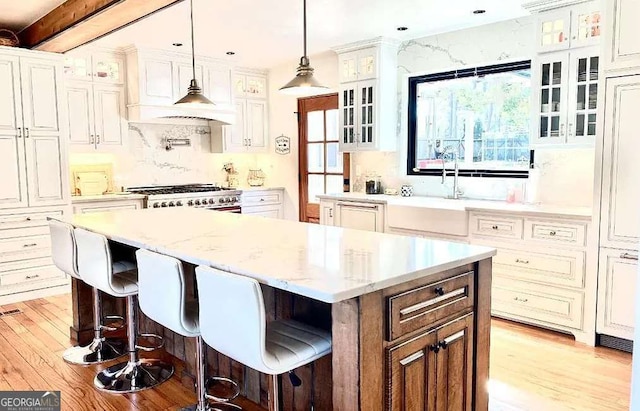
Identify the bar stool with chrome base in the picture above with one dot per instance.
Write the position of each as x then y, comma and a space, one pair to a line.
96, 268
163, 298
101, 349
234, 304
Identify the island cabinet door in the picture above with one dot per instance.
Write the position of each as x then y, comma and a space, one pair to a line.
455, 366
412, 373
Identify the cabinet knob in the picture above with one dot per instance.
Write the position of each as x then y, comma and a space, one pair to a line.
495, 227
92, 139
443, 344
439, 291
434, 347
552, 233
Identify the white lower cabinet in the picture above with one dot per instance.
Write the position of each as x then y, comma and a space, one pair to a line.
359, 216
263, 203
618, 282
326, 212
99, 206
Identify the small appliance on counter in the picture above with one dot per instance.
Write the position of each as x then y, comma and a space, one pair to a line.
373, 185
255, 178
233, 178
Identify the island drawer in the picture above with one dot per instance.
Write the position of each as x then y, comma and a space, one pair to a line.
541, 304
420, 307
555, 233
497, 227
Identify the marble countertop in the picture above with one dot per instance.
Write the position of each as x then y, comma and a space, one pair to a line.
325, 263
107, 197
464, 204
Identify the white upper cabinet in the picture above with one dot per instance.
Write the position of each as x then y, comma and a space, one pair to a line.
13, 184
570, 27
157, 80
565, 97
80, 103
250, 85
368, 89
620, 219
622, 47
104, 67
40, 109
109, 114
217, 85
256, 125
183, 73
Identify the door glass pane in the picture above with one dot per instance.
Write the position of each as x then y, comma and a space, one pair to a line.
591, 127
593, 96
335, 184
315, 158
544, 126
582, 69
557, 73
544, 101
315, 126
582, 95
334, 158
108, 69
316, 187
332, 125
555, 100
580, 125
593, 71
555, 126
546, 74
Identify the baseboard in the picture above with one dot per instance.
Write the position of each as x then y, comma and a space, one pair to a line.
614, 342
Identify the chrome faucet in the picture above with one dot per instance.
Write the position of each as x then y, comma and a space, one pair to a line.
457, 192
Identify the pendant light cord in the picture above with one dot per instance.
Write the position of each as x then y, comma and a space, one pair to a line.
304, 25
193, 46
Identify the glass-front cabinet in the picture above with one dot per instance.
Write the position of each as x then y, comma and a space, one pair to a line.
357, 116
566, 102
99, 67
358, 65
554, 30
347, 118
569, 28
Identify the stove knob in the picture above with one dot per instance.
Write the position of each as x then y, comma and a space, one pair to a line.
235, 199
156, 205
164, 204
171, 204
190, 202
212, 201
197, 202
179, 203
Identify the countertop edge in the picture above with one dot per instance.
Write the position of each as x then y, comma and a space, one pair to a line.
106, 197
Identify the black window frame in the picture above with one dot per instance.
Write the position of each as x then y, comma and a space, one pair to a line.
412, 170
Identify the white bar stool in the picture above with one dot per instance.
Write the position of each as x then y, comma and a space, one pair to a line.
119, 280
234, 305
101, 349
163, 298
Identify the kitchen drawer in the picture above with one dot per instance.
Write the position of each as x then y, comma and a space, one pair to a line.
21, 248
497, 227
555, 233
25, 264
556, 267
524, 300
26, 224
420, 307
261, 198
30, 275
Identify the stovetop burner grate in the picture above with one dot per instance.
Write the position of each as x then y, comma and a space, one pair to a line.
181, 189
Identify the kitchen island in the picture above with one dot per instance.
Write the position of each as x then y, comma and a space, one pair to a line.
410, 317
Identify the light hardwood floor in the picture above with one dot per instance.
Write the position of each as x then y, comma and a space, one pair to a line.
531, 370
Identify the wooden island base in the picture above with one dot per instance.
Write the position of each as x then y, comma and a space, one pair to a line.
421, 345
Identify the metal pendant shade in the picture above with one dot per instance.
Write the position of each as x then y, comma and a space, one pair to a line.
194, 97
304, 83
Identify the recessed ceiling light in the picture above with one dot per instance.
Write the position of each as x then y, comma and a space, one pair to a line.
402, 28
177, 44
479, 11
231, 53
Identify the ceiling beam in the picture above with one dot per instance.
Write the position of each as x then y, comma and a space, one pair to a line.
77, 22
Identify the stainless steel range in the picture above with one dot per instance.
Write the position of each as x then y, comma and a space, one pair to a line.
209, 196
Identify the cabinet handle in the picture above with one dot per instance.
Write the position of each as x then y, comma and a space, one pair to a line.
552, 233
97, 138
331, 212
31, 277
26, 132
372, 207
411, 358
629, 256
92, 139
435, 348
495, 227
443, 344
447, 341
570, 129
521, 300
29, 245
19, 132
439, 291
522, 261
249, 142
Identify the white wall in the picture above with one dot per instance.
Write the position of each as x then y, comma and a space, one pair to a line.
566, 174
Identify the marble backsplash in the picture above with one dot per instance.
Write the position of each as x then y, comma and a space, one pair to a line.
146, 161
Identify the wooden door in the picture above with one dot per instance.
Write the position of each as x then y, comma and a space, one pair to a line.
322, 168
110, 125
620, 189
256, 125
81, 122
13, 183
617, 284
46, 158
412, 373
455, 366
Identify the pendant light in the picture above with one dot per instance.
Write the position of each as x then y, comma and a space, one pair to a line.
194, 97
304, 83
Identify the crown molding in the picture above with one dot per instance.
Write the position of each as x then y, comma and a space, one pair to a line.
536, 6
363, 44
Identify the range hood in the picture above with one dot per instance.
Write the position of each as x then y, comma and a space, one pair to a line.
171, 114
